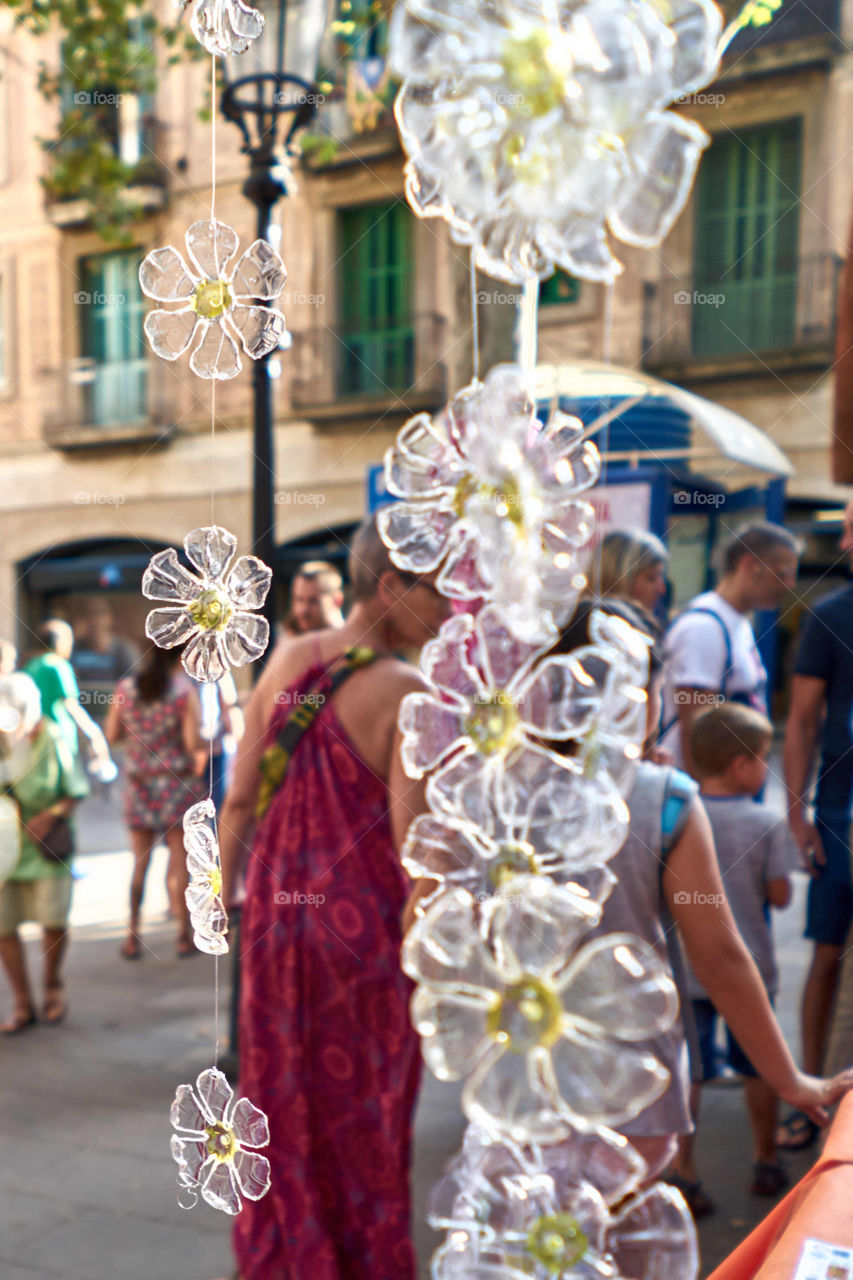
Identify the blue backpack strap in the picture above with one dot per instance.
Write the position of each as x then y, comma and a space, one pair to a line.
727, 669
678, 792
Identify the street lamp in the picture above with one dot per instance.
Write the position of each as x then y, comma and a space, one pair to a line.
270, 93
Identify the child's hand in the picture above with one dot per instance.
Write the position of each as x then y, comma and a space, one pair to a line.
813, 1094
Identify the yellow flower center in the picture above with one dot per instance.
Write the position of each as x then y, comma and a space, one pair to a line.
513, 859
537, 66
212, 610
492, 723
211, 298
557, 1241
504, 497
215, 879
220, 1142
527, 1016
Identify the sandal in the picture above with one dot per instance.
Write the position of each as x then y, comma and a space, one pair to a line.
54, 1005
769, 1178
796, 1132
699, 1202
131, 949
20, 1021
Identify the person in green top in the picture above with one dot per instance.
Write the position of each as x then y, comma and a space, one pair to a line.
43, 775
60, 696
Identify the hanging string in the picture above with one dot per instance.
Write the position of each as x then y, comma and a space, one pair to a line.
214, 689
607, 413
213, 143
528, 326
475, 319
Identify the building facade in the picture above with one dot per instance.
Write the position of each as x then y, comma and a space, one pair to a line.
106, 450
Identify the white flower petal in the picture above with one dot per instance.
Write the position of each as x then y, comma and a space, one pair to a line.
260, 273
220, 1188
245, 638
215, 1094
169, 627
203, 659
250, 1124
170, 332
210, 549
164, 275
216, 354
211, 246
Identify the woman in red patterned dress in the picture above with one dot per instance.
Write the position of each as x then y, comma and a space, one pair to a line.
157, 715
326, 1046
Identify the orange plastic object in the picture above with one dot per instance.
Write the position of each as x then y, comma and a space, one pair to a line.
819, 1206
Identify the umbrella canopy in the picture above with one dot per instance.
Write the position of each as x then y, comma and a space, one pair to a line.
656, 418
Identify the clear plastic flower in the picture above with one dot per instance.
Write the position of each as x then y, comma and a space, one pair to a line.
558, 1210
213, 1140
490, 494
540, 1026
491, 709
204, 891
218, 302
212, 613
532, 127
224, 27
454, 852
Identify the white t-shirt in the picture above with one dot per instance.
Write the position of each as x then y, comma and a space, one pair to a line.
697, 656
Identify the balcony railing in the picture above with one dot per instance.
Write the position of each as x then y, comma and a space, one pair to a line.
344, 367
788, 315
92, 402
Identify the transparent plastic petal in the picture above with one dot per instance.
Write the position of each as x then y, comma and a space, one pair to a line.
250, 1124
203, 660
220, 1188
444, 661
225, 27
248, 583
653, 1237
618, 984
430, 730
261, 329
664, 155
190, 1154
211, 246
216, 1094
253, 1174
444, 948
416, 534
260, 273
188, 1112
441, 848
170, 332
503, 658
452, 1027
423, 461
210, 549
164, 275
602, 1080
464, 575
533, 925
166, 579
463, 787
504, 1091
557, 699
169, 627
597, 1155
216, 354
210, 944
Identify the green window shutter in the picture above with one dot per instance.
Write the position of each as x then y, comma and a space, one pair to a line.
112, 336
376, 291
559, 288
363, 28
746, 232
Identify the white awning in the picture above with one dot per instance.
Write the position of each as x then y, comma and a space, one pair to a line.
732, 436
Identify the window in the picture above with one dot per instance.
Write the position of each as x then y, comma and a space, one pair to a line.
124, 120
362, 27
746, 232
559, 288
112, 340
375, 290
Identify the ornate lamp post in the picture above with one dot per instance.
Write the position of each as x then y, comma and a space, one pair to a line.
270, 93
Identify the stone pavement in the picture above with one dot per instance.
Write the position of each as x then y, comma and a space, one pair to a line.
87, 1184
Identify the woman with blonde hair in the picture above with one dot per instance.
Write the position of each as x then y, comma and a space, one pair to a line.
630, 564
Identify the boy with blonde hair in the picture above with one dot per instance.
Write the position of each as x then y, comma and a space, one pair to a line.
729, 745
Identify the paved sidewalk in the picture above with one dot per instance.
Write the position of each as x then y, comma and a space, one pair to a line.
87, 1184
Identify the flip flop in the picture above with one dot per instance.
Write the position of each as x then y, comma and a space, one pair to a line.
796, 1132
17, 1023
130, 949
54, 1006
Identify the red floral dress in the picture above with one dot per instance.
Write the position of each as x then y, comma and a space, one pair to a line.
160, 786
326, 1046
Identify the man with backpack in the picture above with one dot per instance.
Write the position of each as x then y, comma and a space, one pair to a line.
710, 651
